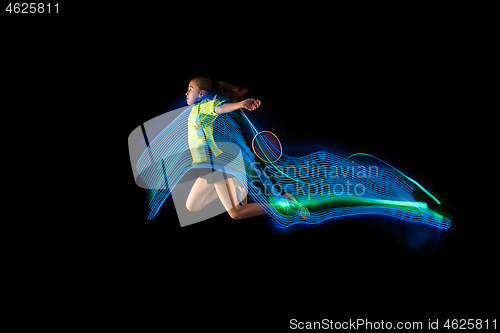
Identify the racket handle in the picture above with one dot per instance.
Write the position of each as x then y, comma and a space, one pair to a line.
249, 121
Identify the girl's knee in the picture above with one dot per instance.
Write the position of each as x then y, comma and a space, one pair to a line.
191, 206
235, 215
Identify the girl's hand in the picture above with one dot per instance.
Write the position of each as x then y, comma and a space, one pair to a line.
251, 104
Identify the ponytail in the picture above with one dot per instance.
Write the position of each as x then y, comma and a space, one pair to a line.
229, 92
223, 90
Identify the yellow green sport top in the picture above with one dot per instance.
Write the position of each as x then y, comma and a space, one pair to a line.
200, 130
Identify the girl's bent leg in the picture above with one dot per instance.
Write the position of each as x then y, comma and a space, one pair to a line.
200, 195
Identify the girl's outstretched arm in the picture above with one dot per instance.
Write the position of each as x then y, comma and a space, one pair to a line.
249, 104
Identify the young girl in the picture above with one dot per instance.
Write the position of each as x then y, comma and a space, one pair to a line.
214, 98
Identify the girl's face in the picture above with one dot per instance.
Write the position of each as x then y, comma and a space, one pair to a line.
194, 93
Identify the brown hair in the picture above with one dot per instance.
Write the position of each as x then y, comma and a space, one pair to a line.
223, 90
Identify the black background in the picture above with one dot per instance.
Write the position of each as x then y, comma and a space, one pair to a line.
403, 95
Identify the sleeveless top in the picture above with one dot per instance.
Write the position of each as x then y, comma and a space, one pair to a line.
200, 130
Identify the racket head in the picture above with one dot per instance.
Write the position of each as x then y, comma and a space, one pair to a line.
267, 146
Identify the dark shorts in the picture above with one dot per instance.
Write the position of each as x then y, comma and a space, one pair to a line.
229, 152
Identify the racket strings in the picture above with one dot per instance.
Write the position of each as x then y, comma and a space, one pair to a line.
267, 146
